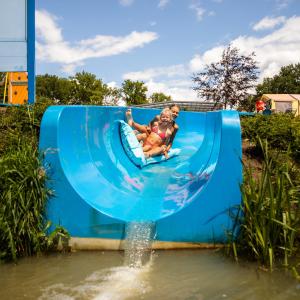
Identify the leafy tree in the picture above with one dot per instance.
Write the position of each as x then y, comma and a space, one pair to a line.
134, 92
247, 104
159, 97
286, 82
112, 96
228, 81
53, 87
87, 89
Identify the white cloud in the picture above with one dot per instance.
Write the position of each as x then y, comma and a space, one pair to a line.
112, 84
268, 23
163, 3
178, 92
46, 23
126, 2
173, 81
197, 63
52, 47
274, 50
281, 4
170, 71
199, 10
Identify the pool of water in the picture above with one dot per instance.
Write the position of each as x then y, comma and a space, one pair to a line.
184, 274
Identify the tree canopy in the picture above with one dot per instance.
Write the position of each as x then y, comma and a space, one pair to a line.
82, 88
228, 81
134, 92
286, 82
159, 97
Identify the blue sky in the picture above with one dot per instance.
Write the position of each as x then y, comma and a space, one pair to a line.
162, 42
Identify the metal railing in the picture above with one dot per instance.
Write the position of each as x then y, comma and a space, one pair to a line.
184, 105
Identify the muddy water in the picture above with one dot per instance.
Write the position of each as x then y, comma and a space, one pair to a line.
188, 274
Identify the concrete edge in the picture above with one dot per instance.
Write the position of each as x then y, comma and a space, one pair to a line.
110, 244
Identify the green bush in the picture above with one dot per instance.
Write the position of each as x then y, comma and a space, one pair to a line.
281, 130
21, 122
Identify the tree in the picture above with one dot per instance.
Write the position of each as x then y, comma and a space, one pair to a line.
286, 82
112, 97
228, 81
159, 97
87, 89
134, 92
54, 88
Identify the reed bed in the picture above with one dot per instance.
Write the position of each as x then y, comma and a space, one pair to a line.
270, 213
24, 229
23, 196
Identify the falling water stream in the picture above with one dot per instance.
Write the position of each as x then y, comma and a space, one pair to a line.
137, 247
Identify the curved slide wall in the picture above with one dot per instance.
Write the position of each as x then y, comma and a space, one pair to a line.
98, 189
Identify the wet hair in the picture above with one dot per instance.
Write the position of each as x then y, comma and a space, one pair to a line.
167, 111
173, 105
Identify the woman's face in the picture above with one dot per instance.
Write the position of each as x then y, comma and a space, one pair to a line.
175, 112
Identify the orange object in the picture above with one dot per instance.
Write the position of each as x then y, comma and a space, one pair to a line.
17, 87
260, 105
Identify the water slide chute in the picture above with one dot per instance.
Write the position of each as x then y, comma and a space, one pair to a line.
98, 189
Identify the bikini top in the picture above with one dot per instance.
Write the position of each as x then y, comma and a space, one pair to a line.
162, 135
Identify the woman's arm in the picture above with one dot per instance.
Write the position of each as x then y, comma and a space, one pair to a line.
172, 137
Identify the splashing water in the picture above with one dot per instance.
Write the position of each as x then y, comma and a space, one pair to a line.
137, 247
116, 283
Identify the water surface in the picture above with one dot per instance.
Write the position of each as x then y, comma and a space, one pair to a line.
184, 274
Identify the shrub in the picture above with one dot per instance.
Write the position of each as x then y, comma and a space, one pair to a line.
281, 130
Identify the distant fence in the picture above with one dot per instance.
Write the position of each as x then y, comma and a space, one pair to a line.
184, 105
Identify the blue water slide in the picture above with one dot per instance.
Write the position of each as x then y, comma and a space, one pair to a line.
97, 188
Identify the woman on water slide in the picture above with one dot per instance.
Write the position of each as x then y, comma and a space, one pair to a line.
158, 136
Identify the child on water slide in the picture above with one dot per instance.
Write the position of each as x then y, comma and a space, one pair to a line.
155, 137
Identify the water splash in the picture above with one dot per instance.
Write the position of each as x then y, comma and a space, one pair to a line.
138, 241
116, 283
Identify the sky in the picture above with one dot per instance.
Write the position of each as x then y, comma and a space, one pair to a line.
162, 42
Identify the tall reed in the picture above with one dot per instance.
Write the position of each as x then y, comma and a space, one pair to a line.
270, 218
23, 196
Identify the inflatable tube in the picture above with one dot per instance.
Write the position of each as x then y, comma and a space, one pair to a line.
134, 150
